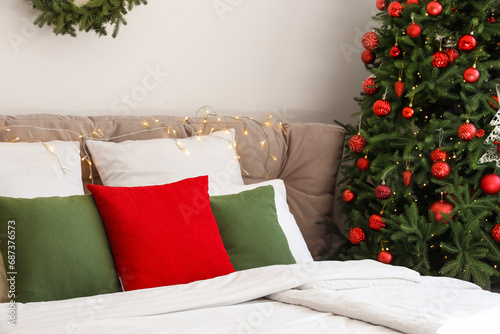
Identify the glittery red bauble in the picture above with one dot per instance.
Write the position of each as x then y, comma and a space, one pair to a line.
370, 41
471, 75
439, 155
440, 170
407, 177
490, 184
363, 164
467, 131
382, 108
382, 192
467, 43
348, 196
441, 207
376, 222
491, 19
384, 257
414, 30
440, 60
368, 57
408, 112
495, 232
357, 143
395, 9
381, 4
494, 106
452, 54
412, 2
434, 8
370, 86
399, 88
357, 235
395, 51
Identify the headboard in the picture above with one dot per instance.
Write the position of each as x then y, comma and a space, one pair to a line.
305, 155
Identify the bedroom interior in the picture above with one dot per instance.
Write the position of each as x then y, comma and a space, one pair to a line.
195, 170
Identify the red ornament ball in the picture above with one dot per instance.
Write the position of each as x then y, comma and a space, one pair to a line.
395, 51
399, 88
376, 222
494, 105
368, 57
370, 41
395, 9
357, 143
412, 2
440, 170
363, 164
384, 257
495, 232
348, 196
467, 43
356, 235
471, 75
408, 112
490, 184
439, 155
467, 131
492, 19
370, 87
382, 108
439, 208
414, 30
452, 54
440, 60
381, 4
434, 8
407, 177
382, 192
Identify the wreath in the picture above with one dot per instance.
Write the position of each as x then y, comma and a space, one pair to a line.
94, 15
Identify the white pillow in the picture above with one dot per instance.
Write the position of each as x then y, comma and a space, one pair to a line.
296, 242
29, 170
158, 161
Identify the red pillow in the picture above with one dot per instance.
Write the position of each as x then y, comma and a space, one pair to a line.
162, 235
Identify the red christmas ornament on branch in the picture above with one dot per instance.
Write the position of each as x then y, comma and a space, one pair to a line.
399, 87
356, 235
414, 30
467, 43
407, 177
494, 105
471, 75
467, 131
495, 232
440, 170
439, 155
452, 54
370, 41
395, 51
370, 86
368, 57
434, 8
357, 143
363, 164
381, 4
490, 184
412, 2
348, 196
382, 192
382, 108
395, 9
376, 222
384, 257
440, 60
439, 208
408, 112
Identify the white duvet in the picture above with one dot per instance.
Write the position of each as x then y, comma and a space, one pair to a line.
318, 297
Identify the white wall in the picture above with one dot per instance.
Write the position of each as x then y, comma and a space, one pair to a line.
297, 59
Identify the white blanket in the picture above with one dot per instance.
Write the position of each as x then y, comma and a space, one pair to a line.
393, 297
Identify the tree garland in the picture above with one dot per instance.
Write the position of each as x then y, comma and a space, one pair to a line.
66, 17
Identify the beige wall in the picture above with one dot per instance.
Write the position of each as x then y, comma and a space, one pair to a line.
297, 59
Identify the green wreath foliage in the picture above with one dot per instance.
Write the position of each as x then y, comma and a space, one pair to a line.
95, 15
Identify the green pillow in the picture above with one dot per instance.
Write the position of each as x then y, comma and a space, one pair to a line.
248, 225
61, 249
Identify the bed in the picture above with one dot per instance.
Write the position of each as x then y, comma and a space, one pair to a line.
216, 273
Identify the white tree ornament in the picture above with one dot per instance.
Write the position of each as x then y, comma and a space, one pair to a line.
492, 153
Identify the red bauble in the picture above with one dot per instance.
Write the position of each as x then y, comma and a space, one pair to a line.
492, 19
440, 170
407, 177
382, 108
490, 184
381, 4
439, 155
382, 192
441, 207
368, 57
370, 41
395, 9
357, 143
467, 43
467, 131
434, 8
357, 235
414, 30
370, 86
494, 106
395, 51
348, 196
471, 75
399, 88
452, 54
363, 164
412, 2
384, 257
376, 222
440, 60
495, 232
408, 112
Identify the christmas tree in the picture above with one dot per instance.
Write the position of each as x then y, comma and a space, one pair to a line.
415, 192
